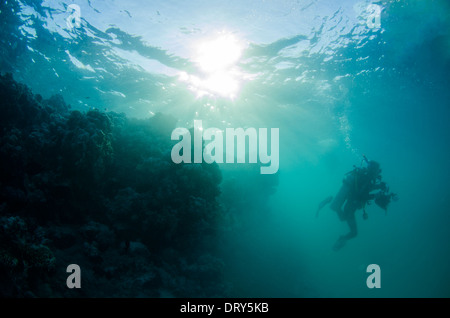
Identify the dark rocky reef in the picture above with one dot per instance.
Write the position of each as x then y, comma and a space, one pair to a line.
99, 190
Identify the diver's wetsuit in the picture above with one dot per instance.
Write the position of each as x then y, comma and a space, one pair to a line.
355, 192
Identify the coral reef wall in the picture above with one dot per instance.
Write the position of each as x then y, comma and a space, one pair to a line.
99, 190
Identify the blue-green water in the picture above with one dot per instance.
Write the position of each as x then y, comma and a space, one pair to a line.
337, 87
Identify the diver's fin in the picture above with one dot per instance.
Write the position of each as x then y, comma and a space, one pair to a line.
323, 203
340, 243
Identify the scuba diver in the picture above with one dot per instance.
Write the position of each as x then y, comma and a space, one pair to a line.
357, 192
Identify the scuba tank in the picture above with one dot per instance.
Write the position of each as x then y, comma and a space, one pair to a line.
349, 185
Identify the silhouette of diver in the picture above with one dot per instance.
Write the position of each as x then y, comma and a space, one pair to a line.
356, 192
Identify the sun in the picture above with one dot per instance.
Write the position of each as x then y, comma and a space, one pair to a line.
216, 59
219, 54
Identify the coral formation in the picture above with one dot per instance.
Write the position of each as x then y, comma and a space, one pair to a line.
99, 190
